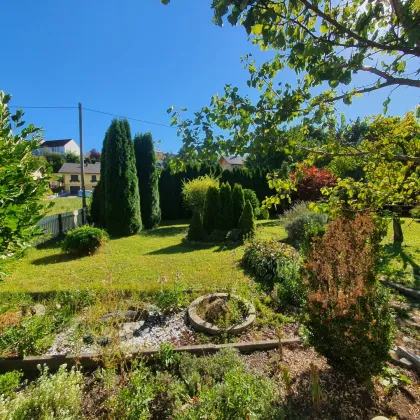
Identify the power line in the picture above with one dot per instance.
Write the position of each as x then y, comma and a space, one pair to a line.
128, 118
93, 110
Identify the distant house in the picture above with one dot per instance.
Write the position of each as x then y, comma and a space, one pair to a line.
58, 146
230, 162
72, 180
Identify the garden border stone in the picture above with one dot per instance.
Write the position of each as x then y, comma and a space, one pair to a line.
404, 290
200, 324
93, 360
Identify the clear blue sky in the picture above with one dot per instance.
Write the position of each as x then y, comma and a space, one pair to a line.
128, 57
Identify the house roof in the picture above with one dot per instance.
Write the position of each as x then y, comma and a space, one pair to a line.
55, 143
74, 168
234, 160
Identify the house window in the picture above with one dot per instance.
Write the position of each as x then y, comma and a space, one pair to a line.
93, 179
74, 178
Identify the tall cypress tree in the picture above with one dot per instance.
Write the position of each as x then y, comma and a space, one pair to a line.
211, 214
238, 199
226, 215
103, 197
148, 180
122, 205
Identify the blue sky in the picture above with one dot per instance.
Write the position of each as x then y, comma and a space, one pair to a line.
132, 58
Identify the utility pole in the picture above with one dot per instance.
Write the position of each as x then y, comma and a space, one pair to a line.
82, 165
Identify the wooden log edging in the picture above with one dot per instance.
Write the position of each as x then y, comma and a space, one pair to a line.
402, 289
93, 360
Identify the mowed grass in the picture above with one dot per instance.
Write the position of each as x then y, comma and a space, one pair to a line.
136, 263
64, 205
401, 263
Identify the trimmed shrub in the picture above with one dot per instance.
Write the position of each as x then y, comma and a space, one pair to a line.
247, 221
196, 230
226, 221
211, 210
310, 181
238, 199
251, 196
84, 240
148, 179
302, 224
349, 320
122, 200
277, 264
194, 191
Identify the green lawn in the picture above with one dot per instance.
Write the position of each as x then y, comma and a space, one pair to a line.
136, 262
402, 263
64, 205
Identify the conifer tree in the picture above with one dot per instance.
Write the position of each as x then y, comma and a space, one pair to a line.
122, 200
226, 221
238, 199
247, 221
148, 179
196, 230
211, 214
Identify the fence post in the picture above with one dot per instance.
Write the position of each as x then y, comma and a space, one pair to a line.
60, 224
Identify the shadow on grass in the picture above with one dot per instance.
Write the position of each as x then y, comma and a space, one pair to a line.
180, 248
396, 251
269, 223
56, 259
165, 231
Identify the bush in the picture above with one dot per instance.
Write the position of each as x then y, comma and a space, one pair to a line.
247, 221
56, 396
349, 319
251, 196
228, 391
196, 230
84, 240
310, 181
211, 210
277, 264
9, 382
238, 199
302, 224
226, 221
194, 191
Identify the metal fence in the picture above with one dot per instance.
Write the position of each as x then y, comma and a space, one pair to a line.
56, 224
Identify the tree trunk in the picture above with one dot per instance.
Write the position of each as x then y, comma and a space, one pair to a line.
398, 233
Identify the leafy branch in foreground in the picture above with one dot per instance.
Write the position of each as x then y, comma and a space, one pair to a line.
20, 193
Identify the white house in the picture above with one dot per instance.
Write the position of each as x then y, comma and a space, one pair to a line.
230, 162
59, 146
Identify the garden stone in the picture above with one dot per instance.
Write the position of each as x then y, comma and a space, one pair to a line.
405, 363
125, 316
413, 358
102, 341
88, 339
128, 329
38, 309
380, 418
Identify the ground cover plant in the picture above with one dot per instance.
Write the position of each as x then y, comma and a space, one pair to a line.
84, 240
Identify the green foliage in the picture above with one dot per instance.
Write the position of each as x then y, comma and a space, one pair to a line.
226, 390
122, 200
134, 399
212, 210
247, 221
238, 199
195, 190
349, 320
253, 199
55, 161
226, 221
302, 224
95, 205
84, 240
57, 396
167, 356
196, 230
71, 157
21, 206
277, 264
148, 178
171, 298
10, 382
